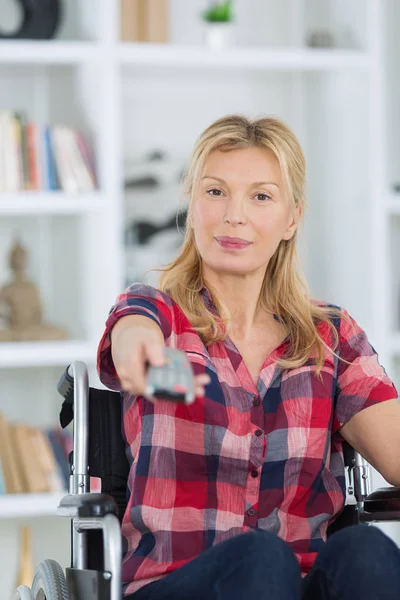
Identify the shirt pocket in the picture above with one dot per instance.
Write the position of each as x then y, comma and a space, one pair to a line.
211, 407
306, 399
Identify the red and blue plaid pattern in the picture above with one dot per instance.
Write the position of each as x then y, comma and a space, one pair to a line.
244, 456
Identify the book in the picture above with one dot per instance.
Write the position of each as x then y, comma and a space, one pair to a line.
59, 455
32, 459
2, 482
9, 457
131, 20
144, 21
40, 157
33, 476
156, 21
26, 569
45, 456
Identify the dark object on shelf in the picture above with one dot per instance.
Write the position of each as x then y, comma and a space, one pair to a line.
320, 39
145, 181
40, 21
396, 188
144, 230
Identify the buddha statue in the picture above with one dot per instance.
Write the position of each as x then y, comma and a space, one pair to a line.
20, 305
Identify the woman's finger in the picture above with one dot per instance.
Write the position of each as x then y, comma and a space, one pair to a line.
199, 391
202, 379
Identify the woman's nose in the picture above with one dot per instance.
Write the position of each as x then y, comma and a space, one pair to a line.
235, 213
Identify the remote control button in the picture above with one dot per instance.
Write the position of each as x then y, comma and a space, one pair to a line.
179, 388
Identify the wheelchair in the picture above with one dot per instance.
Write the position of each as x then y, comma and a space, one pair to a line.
99, 451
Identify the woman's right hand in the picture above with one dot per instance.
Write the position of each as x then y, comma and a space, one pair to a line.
136, 344
133, 347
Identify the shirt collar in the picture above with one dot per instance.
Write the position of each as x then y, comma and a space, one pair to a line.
207, 299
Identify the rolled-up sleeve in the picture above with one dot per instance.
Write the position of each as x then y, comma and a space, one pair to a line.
137, 299
361, 381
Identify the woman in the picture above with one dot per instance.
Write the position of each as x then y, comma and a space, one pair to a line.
231, 497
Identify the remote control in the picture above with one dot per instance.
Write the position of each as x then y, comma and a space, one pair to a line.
174, 380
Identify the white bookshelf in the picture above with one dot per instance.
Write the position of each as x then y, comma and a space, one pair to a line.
396, 345
47, 52
394, 205
292, 59
23, 355
23, 506
136, 97
50, 203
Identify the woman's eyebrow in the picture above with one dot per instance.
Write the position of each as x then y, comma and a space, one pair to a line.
255, 184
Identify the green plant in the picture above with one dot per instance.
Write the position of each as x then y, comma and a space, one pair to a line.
219, 13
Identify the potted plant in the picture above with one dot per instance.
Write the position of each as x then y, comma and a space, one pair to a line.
219, 31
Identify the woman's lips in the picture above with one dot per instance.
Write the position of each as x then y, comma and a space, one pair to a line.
232, 243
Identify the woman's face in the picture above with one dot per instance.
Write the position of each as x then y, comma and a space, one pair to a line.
241, 196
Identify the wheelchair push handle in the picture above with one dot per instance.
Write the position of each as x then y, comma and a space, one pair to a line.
65, 386
74, 387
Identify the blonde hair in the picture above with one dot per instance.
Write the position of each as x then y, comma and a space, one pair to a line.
284, 290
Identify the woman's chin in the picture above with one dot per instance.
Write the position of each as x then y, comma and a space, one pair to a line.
230, 266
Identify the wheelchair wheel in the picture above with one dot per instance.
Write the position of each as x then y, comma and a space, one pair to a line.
49, 582
23, 592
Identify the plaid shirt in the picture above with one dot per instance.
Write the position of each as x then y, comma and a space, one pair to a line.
242, 457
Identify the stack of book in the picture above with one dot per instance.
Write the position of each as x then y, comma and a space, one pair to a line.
37, 157
33, 460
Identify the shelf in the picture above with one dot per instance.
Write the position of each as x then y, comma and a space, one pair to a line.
46, 52
45, 354
49, 203
292, 59
16, 506
396, 344
394, 205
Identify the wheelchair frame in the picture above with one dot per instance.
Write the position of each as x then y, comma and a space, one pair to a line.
88, 511
94, 512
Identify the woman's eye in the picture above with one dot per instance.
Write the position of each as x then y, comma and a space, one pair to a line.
217, 194
263, 197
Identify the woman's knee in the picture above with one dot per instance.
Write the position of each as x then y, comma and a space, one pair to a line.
264, 547
362, 546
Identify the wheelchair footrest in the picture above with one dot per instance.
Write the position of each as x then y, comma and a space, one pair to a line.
87, 505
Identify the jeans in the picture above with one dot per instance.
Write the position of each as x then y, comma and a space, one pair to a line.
356, 563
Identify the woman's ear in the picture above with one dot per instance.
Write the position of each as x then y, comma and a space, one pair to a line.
296, 217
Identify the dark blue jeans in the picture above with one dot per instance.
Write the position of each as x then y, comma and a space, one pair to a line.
357, 563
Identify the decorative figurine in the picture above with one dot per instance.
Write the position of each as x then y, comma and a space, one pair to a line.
23, 311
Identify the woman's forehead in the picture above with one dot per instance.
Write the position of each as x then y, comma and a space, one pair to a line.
243, 164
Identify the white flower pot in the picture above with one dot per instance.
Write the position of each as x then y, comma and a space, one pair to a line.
219, 35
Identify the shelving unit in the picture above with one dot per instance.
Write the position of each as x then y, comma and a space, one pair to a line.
394, 205
23, 506
23, 355
134, 98
292, 59
50, 203
47, 52
396, 345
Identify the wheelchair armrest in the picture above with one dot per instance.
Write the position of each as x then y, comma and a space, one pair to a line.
382, 505
87, 505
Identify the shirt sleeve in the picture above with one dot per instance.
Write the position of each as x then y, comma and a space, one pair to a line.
361, 383
137, 299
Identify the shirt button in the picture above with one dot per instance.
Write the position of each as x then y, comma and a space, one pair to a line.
258, 432
256, 401
254, 473
251, 512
